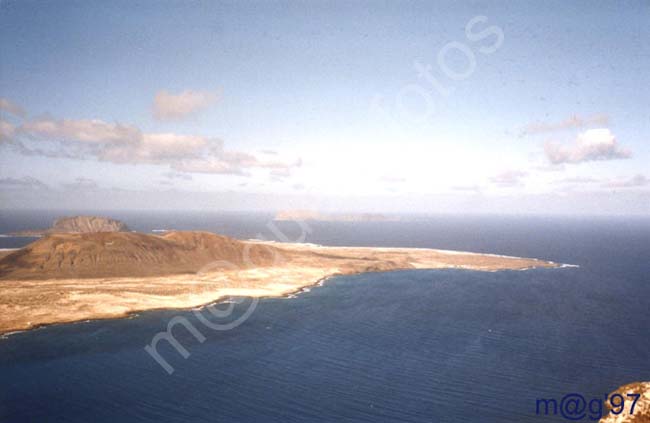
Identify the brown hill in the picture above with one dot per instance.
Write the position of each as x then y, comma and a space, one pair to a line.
114, 254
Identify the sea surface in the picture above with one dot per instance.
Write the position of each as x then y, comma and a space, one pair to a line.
404, 346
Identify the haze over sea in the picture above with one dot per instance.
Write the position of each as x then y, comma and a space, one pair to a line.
407, 346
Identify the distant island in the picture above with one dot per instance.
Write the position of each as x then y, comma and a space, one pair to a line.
65, 277
76, 224
306, 215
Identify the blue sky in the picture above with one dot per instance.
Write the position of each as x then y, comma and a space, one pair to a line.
276, 105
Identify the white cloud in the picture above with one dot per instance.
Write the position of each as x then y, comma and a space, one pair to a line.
280, 174
636, 181
391, 179
234, 163
82, 130
11, 107
591, 145
168, 106
7, 130
509, 178
24, 183
177, 175
156, 148
467, 188
116, 143
572, 122
81, 184
578, 180
211, 165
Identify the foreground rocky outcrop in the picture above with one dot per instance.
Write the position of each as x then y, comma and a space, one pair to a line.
77, 224
641, 412
78, 276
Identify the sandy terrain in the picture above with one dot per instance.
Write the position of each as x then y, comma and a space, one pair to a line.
6, 251
28, 303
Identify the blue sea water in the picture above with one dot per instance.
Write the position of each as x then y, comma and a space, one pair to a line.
405, 346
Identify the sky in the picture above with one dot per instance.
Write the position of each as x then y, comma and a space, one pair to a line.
389, 107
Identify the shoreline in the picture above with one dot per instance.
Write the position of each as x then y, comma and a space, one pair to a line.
31, 303
279, 294
221, 300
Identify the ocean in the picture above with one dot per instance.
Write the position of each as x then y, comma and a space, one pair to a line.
403, 346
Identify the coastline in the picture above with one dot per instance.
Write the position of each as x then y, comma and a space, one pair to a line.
30, 304
221, 300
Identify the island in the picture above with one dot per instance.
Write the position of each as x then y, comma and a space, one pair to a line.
67, 277
312, 215
76, 224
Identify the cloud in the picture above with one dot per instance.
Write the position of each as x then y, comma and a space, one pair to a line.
280, 173
509, 178
111, 142
591, 145
92, 131
24, 183
81, 184
578, 180
7, 131
13, 108
117, 143
573, 122
234, 163
392, 179
219, 162
467, 188
550, 167
177, 175
216, 166
636, 181
157, 148
168, 106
